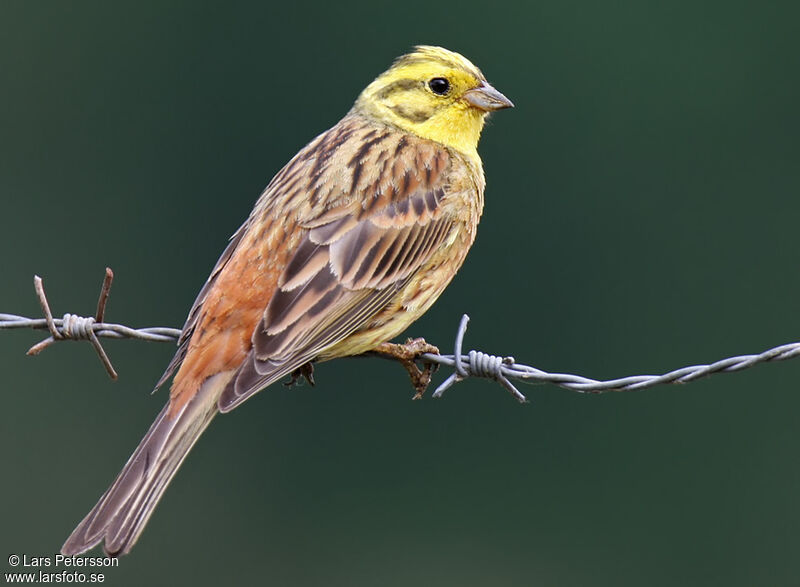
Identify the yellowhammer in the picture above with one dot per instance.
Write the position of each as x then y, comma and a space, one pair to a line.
351, 241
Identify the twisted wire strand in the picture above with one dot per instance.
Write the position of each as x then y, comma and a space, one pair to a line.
501, 369
472, 364
100, 329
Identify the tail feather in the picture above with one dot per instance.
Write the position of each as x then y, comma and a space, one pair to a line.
122, 512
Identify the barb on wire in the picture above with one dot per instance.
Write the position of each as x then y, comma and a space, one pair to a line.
472, 364
74, 327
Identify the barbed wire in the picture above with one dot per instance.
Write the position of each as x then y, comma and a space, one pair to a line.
475, 364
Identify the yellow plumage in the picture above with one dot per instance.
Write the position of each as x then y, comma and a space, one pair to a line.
451, 121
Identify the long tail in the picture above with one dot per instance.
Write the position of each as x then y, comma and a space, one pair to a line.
123, 510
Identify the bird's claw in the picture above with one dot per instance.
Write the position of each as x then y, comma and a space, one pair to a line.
407, 355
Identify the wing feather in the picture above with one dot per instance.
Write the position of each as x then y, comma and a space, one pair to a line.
367, 264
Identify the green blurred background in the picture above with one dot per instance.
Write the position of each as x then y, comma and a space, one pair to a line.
641, 214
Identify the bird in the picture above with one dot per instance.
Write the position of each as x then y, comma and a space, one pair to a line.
352, 241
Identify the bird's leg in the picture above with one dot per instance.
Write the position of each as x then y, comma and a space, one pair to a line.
306, 371
407, 355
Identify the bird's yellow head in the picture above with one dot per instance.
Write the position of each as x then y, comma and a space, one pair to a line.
435, 94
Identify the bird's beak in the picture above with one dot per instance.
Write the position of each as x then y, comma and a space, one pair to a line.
486, 98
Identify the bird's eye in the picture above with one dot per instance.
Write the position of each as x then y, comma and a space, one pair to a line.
439, 85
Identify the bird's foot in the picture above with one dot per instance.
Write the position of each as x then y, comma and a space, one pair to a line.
306, 371
407, 355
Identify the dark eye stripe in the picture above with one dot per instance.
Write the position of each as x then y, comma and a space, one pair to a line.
400, 85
